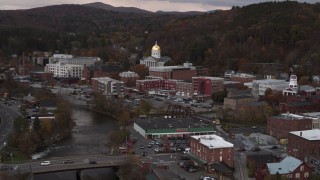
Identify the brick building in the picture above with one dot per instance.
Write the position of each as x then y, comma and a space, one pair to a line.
129, 78
173, 72
305, 145
243, 78
184, 89
206, 85
280, 126
41, 76
155, 84
235, 101
300, 104
212, 148
101, 70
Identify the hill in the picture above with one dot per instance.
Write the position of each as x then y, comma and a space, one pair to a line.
286, 33
107, 7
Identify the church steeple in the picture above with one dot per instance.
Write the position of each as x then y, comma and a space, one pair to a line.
293, 83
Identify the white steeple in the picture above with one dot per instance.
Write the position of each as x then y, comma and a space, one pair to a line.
293, 84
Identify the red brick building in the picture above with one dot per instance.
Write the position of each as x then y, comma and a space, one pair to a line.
205, 85
280, 126
289, 167
184, 89
173, 72
305, 145
300, 104
101, 70
212, 148
41, 76
155, 84
129, 78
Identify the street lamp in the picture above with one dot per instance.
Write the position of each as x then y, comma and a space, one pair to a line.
4, 145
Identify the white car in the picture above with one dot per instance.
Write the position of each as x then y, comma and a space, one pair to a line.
45, 163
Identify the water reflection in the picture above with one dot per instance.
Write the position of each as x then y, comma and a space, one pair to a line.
89, 136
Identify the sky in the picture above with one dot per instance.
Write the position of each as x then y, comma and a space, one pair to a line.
150, 5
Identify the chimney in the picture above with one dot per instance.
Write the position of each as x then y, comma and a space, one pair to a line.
300, 133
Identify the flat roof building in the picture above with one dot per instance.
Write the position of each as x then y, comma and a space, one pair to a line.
171, 127
212, 148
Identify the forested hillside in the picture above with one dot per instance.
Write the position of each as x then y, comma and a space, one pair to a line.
277, 32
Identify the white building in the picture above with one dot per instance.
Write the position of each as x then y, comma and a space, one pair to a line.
65, 65
292, 89
315, 116
155, 60
62, 70
259, 87
107, 86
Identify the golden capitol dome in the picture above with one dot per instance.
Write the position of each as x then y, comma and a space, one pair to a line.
156, 47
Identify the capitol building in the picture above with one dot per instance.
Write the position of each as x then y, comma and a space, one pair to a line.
155, 60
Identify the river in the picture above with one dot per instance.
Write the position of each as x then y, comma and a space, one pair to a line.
89, 137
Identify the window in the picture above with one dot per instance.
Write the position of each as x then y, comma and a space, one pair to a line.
297, 175
306, 174
301, 168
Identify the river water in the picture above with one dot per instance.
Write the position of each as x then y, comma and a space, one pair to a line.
89, 137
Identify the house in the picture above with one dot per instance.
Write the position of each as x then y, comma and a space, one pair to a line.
30, 100
289, 167
256, 162
316, 80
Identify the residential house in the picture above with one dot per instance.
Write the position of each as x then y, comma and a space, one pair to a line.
289, 167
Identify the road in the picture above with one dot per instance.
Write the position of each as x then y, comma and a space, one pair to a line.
7, 115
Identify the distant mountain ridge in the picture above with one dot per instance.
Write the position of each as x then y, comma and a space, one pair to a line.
108, 7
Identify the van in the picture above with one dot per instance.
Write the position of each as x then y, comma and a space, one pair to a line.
186, 150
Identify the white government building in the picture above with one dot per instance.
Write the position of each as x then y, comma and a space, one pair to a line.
155, 60
65, 65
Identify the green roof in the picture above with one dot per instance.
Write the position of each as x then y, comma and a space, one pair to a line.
177, 130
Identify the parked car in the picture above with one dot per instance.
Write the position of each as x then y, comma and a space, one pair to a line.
92, 162
241, 149
274, 147
192, 169
67, 162
45, 163
144, 154
184, 158
254, 149
141, 147
149, 145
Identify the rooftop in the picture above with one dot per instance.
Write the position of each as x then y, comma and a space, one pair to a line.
105, 79
213, 141
167, 123
240, 97
289, 116
311, 135
208, 77
286, 166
